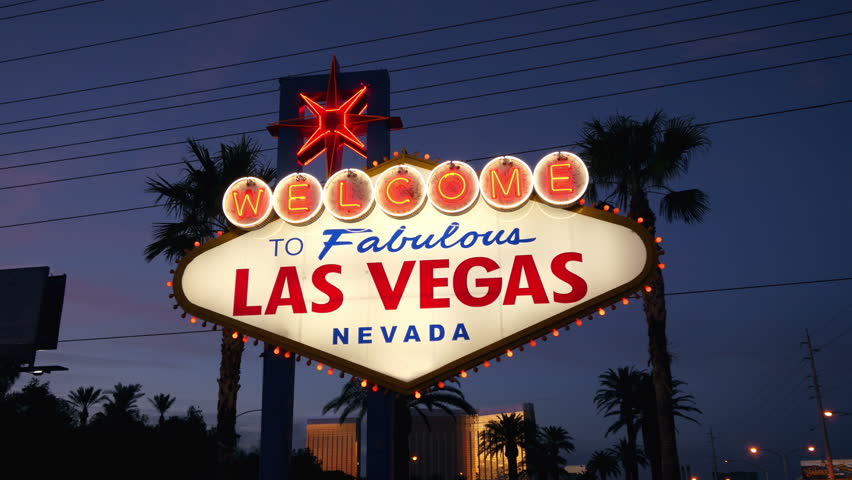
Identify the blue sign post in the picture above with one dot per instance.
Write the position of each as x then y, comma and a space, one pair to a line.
279, 372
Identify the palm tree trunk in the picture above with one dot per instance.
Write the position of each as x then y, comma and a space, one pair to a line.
631, 466
651, 440
226, 415
84, 416
401, 431
512, 463
660, 359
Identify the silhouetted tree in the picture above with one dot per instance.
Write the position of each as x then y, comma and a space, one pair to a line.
120, 404
506, 435
620, 396
84, 398
353, 398
629, 161
626, 453
162, 402
603, 465
196, 201
544, 456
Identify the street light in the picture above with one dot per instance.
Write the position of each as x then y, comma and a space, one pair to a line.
755, 450
811, 448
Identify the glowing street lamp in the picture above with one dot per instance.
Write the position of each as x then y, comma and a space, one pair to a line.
828, 413
811, 448
753, 449
414, 458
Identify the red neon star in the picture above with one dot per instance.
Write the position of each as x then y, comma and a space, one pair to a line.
333, 125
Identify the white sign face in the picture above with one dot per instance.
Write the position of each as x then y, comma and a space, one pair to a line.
406, 302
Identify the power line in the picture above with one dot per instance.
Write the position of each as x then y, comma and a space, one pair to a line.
622, 72
716, 122
624, 92
412, 54
37, 12
278, 57
16, 4
85, 215
440, 102
567, 62
768, 285
138, 335
451, 120
152, 34
725, 289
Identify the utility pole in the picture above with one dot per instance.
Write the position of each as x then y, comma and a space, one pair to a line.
715, 462
818, 393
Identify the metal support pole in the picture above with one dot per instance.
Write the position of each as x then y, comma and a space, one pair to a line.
818, 394
276, 430
380, 436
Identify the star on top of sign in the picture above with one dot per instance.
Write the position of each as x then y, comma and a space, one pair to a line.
333, 125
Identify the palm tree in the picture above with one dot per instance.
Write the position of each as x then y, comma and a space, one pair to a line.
603, 465
626, 453
196, 202
630, 160
620, 396
120, 405
544, 458
353, 399
682, 406
9, 373
162, 402
82, 399
506, 435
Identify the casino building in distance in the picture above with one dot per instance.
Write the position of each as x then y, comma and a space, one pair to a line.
446, 448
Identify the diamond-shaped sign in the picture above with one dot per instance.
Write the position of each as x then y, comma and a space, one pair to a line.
407, 301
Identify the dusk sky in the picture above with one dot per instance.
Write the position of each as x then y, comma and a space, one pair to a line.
778, 187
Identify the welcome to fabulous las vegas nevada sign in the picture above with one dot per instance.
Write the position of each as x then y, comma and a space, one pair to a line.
412, 271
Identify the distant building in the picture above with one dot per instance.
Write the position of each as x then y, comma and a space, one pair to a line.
738, 476
816, 469
336, 445
445, 448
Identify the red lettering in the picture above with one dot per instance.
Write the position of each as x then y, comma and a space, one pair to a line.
335, 296
390, 295
524, 266
493, 284
241, 306
428, 283
559, 267
290, 277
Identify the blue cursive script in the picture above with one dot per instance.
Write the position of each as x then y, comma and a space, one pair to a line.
398, 241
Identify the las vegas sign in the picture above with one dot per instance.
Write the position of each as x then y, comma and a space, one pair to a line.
413, 271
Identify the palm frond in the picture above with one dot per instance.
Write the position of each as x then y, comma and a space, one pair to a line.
689, 206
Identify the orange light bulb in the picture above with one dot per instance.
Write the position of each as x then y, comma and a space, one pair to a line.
532, 343
276, 351
235, 335
510, 353
375, 388
625, 301
648, 289
441, 384
170, 284
601, 312
640, 220
417, 395
193, 320
658, 240
661, 266
487, 364
197, 243
555, 332
578, 322
363, 384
